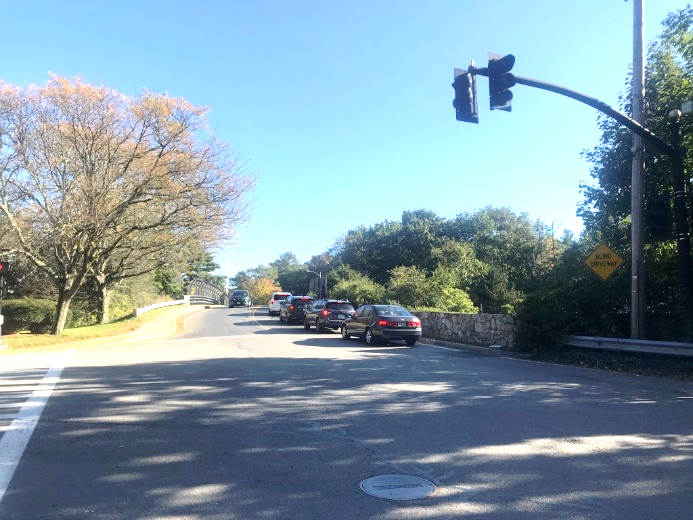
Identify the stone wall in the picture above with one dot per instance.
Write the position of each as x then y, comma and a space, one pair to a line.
474, 329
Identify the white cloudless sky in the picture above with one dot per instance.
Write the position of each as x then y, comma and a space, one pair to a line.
344, 108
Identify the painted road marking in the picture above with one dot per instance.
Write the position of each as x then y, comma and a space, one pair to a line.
18, 374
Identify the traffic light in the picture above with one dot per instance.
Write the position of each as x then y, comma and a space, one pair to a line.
499, 82
4, 267
465, 97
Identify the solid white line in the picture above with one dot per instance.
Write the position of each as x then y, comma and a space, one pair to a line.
16, 436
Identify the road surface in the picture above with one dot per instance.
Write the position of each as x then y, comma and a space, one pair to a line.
242, 417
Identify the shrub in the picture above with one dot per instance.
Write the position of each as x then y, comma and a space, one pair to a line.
32, 314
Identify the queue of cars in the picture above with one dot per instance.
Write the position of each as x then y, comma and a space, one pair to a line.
372, 322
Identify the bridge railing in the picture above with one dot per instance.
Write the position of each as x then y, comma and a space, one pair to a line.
201, 292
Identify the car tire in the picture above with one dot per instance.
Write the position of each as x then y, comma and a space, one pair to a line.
345, 333
318, 326
306, 324
410, 342
368, 337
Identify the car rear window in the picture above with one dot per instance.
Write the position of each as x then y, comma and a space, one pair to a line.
340, 307
393, 311
302, 302
281, 296
240, 293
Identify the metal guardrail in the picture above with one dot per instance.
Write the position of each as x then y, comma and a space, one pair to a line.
204, 293
669, 348
142, 310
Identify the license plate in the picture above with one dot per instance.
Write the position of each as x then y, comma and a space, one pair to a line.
401, 324
340, 316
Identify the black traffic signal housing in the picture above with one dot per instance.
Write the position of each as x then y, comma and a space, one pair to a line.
465, 102
4, 268
499, 82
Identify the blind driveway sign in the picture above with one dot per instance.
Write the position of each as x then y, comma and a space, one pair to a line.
604, 261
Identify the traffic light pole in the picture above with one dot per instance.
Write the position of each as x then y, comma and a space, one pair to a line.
676, 154
594, 103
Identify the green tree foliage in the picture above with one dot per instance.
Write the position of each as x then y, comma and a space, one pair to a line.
358, 289
285, 263
606, 207
201, 267
573, 300
512, 247
32, 314
460, 260
407, 286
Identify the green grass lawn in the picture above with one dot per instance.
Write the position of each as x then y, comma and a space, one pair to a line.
29, 341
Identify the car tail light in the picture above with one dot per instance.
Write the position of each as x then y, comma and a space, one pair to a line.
291, 307
385, 323
325, 312
414, 323
272, 301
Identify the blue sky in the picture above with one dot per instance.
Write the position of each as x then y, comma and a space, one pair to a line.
344, 108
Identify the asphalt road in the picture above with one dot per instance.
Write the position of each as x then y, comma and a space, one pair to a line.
242, 417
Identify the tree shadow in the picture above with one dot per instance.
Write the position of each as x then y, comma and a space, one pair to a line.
276, 437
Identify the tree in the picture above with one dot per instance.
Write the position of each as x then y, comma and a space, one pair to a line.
407, 286
358, 289
286, 262
606, 207
260, 288
515, 248
201, 267
87, 173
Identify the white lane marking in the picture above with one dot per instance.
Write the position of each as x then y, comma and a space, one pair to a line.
16, 436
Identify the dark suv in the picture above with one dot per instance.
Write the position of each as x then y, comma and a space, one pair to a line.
292, 308
240, 297
327, 314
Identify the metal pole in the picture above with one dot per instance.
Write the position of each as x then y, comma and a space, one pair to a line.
637, 308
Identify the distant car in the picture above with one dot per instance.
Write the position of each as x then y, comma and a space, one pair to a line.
240, 298
376, 323
275, 301
327, 314
292, 308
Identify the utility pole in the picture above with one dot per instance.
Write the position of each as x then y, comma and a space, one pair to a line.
638, 299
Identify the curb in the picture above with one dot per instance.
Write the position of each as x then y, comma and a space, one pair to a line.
492, 350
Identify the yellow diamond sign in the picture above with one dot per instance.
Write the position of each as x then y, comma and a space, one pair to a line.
604, 261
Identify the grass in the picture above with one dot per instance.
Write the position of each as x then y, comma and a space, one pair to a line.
28, 341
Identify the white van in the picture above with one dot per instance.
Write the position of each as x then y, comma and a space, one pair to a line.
275, 302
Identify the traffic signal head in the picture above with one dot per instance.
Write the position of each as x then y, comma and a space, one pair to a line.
499, 82
465, 97
4, 267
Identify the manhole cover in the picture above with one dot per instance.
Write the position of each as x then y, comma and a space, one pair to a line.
397, 487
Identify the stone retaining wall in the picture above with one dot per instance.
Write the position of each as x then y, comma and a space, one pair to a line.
475, 329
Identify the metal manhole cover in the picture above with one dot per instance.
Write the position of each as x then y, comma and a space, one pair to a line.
397, 487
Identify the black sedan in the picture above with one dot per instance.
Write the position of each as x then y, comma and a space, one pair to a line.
383, 323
